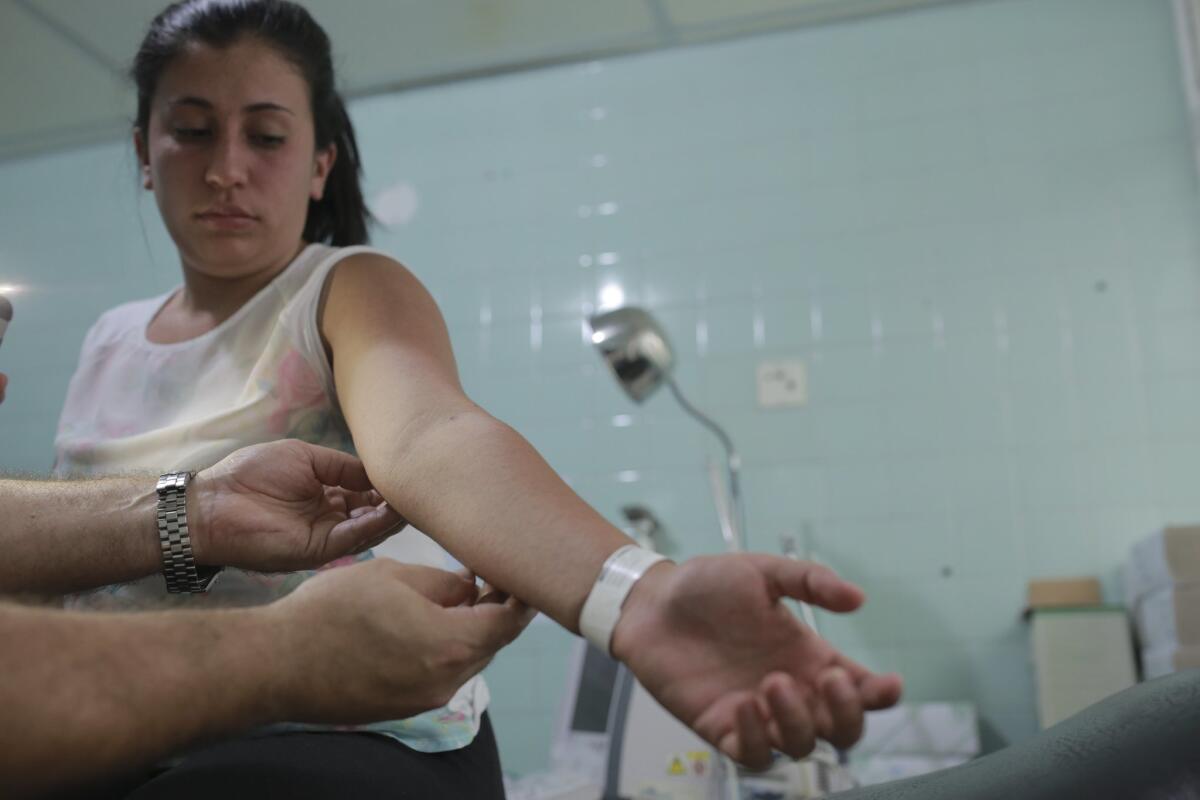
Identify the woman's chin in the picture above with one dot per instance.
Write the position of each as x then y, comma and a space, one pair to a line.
229, 256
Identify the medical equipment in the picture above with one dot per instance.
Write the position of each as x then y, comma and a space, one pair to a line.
653, 756
635, 347
613, 740
644, 527
650, 754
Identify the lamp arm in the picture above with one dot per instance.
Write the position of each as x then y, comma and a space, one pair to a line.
733, 462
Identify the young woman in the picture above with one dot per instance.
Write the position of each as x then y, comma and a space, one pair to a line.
285, 326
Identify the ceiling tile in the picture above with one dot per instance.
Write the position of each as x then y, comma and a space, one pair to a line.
704, 12
725, 17
58, 91
398, 41
60, 58
112, 28
381, 42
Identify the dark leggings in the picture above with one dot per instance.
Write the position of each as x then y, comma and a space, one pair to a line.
317, 766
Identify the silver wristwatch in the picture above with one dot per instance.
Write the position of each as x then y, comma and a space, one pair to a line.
179, 567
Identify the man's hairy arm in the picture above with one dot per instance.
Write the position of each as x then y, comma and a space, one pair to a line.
88, 694
272, 507
67, 535
85, 696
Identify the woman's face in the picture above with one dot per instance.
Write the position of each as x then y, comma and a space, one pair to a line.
230, 155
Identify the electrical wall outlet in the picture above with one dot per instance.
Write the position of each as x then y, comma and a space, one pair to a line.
782, 384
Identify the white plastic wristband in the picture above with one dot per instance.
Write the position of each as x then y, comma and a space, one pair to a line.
602, 608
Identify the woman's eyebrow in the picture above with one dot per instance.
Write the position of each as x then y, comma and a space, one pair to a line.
200, 102
189, 100
265, 106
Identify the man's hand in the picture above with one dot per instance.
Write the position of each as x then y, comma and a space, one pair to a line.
385, 640
713, 642
285, 506
91, 695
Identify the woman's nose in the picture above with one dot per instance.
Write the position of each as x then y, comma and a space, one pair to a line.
227, 168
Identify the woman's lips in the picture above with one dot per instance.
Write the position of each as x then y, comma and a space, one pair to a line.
227, 220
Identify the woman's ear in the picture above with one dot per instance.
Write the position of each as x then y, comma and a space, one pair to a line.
143, 154
322, 165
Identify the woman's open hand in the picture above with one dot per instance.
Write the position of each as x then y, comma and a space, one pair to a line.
713, 642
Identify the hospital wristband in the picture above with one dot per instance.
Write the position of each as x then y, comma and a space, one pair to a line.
602, 608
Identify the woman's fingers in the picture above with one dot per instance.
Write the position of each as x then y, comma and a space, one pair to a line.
880, 691
748, 742
845, 707
792, 723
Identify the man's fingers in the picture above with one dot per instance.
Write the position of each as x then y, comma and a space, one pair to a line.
490, 594
352, 501
845, 707
808, 582
363, 529
437, 585
498, 624
491, 626
335, 468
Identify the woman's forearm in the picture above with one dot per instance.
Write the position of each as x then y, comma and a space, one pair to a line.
481, 491
62, 536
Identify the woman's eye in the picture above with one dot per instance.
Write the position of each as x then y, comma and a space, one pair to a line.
191, 133
266, 140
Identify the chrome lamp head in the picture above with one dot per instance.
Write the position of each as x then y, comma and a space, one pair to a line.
635, 348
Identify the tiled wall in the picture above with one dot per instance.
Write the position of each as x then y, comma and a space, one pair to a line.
977, 225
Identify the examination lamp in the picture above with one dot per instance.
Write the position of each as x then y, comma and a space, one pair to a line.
636, 349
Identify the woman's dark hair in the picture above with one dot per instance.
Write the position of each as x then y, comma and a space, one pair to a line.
340, 217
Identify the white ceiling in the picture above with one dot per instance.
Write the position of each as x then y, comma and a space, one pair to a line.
62, 62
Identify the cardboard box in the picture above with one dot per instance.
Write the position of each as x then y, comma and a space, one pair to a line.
1064, 592
1080, 657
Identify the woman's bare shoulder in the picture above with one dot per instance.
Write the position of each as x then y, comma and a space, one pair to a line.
372, 288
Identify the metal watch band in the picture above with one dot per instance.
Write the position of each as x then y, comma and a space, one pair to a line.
602, 609
179, 567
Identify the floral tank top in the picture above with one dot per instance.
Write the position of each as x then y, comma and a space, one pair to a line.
261, 375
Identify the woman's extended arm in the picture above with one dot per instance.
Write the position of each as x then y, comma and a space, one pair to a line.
465, 478
709, 638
